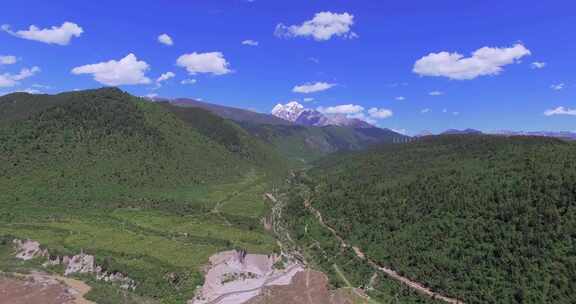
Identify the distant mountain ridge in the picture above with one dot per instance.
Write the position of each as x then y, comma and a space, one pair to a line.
298, 114
566, 135
465, 131
298, 134
235, 114
556, 134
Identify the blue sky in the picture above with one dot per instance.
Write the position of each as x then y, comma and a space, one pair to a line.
366, 52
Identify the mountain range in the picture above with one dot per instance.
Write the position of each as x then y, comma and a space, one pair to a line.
297, 134
555, 134
298, 114
465, 131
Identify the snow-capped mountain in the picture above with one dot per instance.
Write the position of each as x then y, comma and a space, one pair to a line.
290, 111
298, 114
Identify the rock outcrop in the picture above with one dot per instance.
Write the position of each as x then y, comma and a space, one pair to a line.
29, 249
77, 264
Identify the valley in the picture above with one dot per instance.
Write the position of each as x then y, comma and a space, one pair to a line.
147, 190
287, 152
158, 202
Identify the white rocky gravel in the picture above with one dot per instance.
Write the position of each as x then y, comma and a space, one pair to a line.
235, 277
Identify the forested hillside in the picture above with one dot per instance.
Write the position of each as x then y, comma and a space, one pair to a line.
302, 144
480, 218
235, 114
150, 192
233, 137
85, 142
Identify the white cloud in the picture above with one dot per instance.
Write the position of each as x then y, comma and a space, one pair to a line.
162, 78
308, 99
444, 110
10, 80
424, 111
380, 113
538, 65
558, 87
397, 84
560, 111
312, 87
188, 81
26, 73
250, 42
151, 96
342, 109
484, 61
371, 115
41, 86
165, 77
400, 98
8, 59
55, 35
165, 39
314, 59
126, 71
212, 63
455, 113
436, 93
322, 27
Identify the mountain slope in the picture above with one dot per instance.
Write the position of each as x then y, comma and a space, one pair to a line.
298, 142
108, 139
235, 114
301, 144
231, 136
484, 219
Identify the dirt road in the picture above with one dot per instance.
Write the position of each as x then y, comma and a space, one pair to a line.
418, 287
40, 288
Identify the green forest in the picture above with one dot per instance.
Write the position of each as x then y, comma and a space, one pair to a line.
484, 219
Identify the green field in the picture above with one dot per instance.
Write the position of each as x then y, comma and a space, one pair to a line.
148, 243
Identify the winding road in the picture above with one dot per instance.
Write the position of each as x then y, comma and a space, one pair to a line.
418, 287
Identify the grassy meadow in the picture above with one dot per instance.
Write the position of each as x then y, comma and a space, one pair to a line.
147, 242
